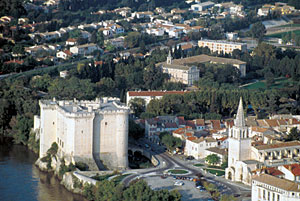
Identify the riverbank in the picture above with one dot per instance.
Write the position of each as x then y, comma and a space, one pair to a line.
20, 178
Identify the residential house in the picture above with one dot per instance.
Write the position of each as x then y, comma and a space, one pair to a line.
291, 172
196, 146
202, 6
140, 15
71, 41
66, 54
84, 49
221, 153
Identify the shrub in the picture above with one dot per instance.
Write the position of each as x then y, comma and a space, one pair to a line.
47, 159
82, 166
53, 149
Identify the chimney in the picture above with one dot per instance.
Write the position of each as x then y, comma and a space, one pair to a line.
74, 109
290, 168
54, 99
90, 109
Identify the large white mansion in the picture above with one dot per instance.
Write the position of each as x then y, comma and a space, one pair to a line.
91, 131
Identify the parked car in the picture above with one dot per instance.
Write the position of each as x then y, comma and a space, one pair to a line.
179, 183
190, 158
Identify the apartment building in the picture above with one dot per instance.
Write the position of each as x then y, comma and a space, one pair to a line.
222, 46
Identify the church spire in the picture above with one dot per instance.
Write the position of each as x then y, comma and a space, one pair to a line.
240, 119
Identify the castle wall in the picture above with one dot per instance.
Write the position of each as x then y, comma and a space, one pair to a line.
122, 140
83, 130
83, 137
48, 128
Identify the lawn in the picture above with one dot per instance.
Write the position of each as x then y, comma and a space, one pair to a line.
279, 83
216, 172
199, 165
177, 171
290, 25
216, 167
280, 35
102, 177
118, 179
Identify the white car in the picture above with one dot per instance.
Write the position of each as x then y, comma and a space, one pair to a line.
178, 183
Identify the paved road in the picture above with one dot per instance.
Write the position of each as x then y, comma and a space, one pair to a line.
169, 162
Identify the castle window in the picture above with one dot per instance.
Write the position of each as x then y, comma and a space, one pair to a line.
105, 123
82, 131
53, 123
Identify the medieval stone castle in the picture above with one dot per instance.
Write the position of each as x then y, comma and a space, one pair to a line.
95, 132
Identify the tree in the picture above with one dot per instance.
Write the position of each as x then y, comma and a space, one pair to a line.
138, 106
269, 76
135, 131
212, 159
18, 49
258, 30
294, 134
171, 142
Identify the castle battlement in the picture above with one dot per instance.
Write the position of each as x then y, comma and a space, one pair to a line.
83, 129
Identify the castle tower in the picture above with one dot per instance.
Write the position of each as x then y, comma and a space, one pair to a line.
169, 58
239, 142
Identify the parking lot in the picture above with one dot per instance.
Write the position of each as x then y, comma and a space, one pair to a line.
187, 190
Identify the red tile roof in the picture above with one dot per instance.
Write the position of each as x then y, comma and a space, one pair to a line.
294, 168
272, 122
216, 124
200, 122
279, 145
270, 170
192, 138
171, 125
14, 62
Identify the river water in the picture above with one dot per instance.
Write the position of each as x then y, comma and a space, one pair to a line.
21, 180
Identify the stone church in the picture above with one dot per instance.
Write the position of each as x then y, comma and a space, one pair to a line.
244, 158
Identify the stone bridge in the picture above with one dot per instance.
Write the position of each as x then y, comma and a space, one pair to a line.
147, 153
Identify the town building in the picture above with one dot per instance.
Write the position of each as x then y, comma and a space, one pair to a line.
199, 59
180, 73
244, 156
84, 49
196, 146
94, 132
202, 6
268, 187
147, 96
222, 46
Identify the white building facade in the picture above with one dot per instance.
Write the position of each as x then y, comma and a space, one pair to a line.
85, 130
267, 187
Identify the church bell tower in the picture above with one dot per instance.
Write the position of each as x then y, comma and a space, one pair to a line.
239, 141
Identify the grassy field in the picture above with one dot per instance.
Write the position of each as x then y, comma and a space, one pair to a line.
279, 83
280, 35
102, 177
216, 172
118, 179
178, 171
198, 165
216, 167
290, 25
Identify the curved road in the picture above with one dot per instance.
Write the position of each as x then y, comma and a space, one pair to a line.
169, 162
